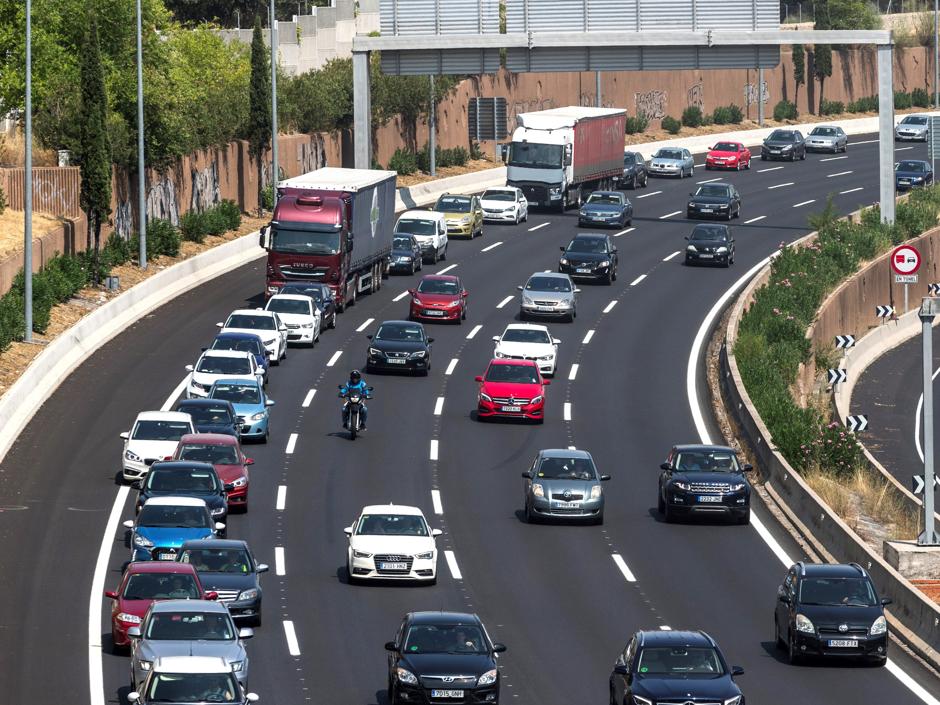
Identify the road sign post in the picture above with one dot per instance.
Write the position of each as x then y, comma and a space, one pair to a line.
929, 309
905, 261
933, 143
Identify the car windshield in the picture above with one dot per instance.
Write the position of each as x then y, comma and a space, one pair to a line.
655, 660
218, 560
519, 374
401, 243
706, 461
452, 204
725, 147
289, 306
606, 198
439, 286
824, 131
237, 393
173, 517
525, 335
391, 525
189, 626
324, 241
708, 232
535, 156
914, 120
192, 688
399, 332
218, 365
160, 430
557, 284
241, 344
629, 158
854, 592
782, 136
161, 586
415, 226
207, 453
206, 414
713, 190
566, 469
249, 322
444, 639
182, 481
916, 167
597, 245
668, 154
499, 195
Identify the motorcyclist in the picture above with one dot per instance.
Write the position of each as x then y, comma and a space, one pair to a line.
355, 384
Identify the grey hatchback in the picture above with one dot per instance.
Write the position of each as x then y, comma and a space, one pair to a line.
564, 484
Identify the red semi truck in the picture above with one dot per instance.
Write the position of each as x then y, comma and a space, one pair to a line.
331, 226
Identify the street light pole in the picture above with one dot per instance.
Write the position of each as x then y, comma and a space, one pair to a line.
141, 187
936, 54
275, 171
28, 183
929, 308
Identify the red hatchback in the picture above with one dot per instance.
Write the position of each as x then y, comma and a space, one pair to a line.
145, 582
225, 454
728, 155
438, 297
512, 389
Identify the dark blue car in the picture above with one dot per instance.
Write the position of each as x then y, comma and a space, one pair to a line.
610, 208
247, 342
911, 173
211, 415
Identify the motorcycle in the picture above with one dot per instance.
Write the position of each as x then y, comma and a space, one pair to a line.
353, 403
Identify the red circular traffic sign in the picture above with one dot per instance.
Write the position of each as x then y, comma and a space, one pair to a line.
905, 260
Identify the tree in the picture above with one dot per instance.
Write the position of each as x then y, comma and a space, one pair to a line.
259, 104
231, 13
846, 14
822, 69
799, 71
95, 149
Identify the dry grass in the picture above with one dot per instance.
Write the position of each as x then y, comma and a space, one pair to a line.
11, 229
471, 166
13, 151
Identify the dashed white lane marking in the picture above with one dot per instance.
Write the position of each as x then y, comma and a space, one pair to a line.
476, 329
832, 159
852, 190
446, 269
505, 301
573, 373
436, 502
839, 173
754, 220
279, 568
708, 181
400, 296
291, 442
434, 446
450, 366
651, 193
638, 280
669, 215
572, 448
537, 227
293, 646
783, 185
546, 271
610, 307
438, 406
332, 360
624, 232
902, 149
665, 628
627, 573
309, 398
281, 500
587, 337
804, 203
867, 142
669, 257
452, 565
567, 411
770, 168
365, 324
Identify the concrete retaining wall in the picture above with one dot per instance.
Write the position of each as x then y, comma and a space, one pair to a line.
68, 237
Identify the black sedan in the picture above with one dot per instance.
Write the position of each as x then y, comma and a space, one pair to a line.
211, 415
433, 645
590, 256
635, 173
321, 295
710, 244
606, 208
912, 173
228, 568
400, 346
714, 201
406, 255
704, 481
185, 478
784, 144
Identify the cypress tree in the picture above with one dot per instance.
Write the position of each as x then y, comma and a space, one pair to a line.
799, 71
259, 101
823, 69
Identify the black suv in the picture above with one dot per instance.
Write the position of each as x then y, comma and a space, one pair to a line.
185, 478
442, 657
830, 610
704, 480
590, 256
656, 665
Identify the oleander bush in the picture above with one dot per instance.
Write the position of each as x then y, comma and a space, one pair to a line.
831, 107
902, 100
671, 125
919, 98
727, 115
785, 110
403, 161
692, 116
636, 125
868, 104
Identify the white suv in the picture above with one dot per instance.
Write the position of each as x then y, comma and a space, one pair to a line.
154, 436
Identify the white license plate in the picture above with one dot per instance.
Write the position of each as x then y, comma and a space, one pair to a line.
583, 270
393, 566
446, 693
511, 408
843, 643
433, 313
707, 210
396, 361
544, 308
706, 256
707, 499
167, 557
568, 505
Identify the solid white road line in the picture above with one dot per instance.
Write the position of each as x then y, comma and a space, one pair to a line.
651, 193
446, 269
439, 406
852, 190
452, 565
587, 337
770, 168
788, 183
918, 413
911, 684
832, 159
627, 573
754, 220
669, 215
291, 442
669, 257
365, 324
472, 333
841, 173
708, 181
638, 280
400, 296
332, 360
279, 568
537, 227
804, 203
293, 646
573, 373
436, 501
450, 367
281, 500
567, 411
624, 232
434, 446
309, 398
505, 301
609, 307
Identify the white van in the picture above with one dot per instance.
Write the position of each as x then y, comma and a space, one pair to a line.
429, 229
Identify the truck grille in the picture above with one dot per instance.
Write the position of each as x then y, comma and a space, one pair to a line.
304, 273
389, 558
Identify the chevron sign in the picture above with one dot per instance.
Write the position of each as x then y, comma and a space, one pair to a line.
845, 341
884, 311
836, 376
919, 484
857, 423
933, 289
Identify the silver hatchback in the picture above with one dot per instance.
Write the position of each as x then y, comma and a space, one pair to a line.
564, 484
549, 295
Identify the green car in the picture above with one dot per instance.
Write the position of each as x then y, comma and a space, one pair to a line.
464, 215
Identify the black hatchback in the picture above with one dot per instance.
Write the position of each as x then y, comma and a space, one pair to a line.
399, 346
784, 144
211, 415
673, 667
704, 481
710, 244
185, 478
590, 256
442, 657
830, 610
714, 201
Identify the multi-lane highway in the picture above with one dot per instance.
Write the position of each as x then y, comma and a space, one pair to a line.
565, 599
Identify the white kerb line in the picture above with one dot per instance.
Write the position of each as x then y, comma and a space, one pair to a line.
788, 183
434, 448
651, 193
638, 280
587, 337
852, 190
476, 329
609, 307
400, 296
281, 500
436, 502
293, 646
439, 406
622, 565
567, 411
332, 360
452, 565
365, 324
669, 257
505, 301
309, 398
841, 173
279, 568
291, 443
804, 203
573, 373
450, 366
669, 215
754, 220
536, 227
446, 269
490, 247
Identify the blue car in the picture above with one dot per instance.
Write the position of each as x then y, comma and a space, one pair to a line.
251, 404
911, 173
165, 523
247, 342
606, 208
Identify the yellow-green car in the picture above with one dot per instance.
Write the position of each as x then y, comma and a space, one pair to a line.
464, 214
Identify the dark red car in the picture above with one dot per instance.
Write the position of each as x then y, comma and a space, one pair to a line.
438, 297
225, 454
728, 155
512, 389
143, 583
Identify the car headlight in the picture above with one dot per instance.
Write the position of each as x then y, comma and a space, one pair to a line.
637, 700
375, 351
563, 260
258, 416
721, 250
240, 481
416, 301
787, 147
604, 263
424, 556
485, 397
537, 400
736, 700
249, 594
145, 665
554, 191
128, 618
596, 492
526, 300
691, 248
546, 358
406, 676
361, 554
803, 624
538, 490
454, 303
487, 678
511, 209
217, 512
582, 212
133, 457
142, 541
879, 626
737, 487
501, 355
684, 486
917, 179
420, 355
722, 205
272, 341
236, 666
563, 304
306, 325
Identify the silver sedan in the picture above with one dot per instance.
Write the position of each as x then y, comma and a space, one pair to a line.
549, 295
564, 484
672, 161
827, 138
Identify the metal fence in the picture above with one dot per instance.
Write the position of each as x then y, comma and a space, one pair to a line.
55, 189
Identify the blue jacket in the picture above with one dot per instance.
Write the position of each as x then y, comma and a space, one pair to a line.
362, 388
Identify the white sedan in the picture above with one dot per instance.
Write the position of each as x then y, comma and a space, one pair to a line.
527, 341
506, 204
300, 314
214, 365
266, 324
390, 541
154, 436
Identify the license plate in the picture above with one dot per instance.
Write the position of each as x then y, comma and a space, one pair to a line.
395, 361
568, 505
544, 308
707, 210
511, 408
708, 498
583, 270
446, 693
393, 566
166, 557
706, 256
433, 313
843, 643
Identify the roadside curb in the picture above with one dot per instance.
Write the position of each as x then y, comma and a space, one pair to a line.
421, 195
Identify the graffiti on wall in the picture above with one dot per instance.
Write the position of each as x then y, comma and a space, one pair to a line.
311, 155
123, 219
651, 103
695, 96
587, 100
162, 202
750, 93
206, 192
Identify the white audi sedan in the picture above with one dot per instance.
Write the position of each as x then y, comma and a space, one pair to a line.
392, 542
527, 341
504, 204
300, 314
214, 365
266, 324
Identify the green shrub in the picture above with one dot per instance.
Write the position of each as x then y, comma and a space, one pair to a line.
403, 161
636, 125
692, 116
215, 221
475, 151
919, 98
671, 125
231, 214
12, 319
708, 120
194, 226
162, 238
902, 100
728, 115
831, 107
116, 251
455, 156
3, 201
868, 104
267, 197
785, 110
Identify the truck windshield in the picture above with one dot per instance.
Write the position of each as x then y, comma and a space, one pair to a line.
535, 156
306, 242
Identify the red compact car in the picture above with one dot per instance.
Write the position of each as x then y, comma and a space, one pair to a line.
143, 583
728, 155
513, 389
225, 453
439, 297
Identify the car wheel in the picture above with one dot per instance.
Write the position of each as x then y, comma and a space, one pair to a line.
633, 183
529, 517
880, 660
745, 518
610, 278
803, 155
615, 274
778, 640
792, 157
660, 504
267, 435
444, 253
692, 171
793, 656
599, 519
435, 257
727, 262
668, 514
333, 320
748, 165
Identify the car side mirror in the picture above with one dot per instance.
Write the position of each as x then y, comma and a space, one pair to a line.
411, 291
519, 288
219, 324
782, 595
269, 402
189, 368
133, 632
430, 340
737, 671
665, 466
686, 237
478, 378
621, 669
261, 568
436, 532
133, 697
210, 595
464, 294
129, 524
495, 338
605, 478
556, 341
546, 382
613, 250
125, 435
111, 594
747, 467
499, 648
577, 291
246, 633
219, 526
527, 475
252, 697
370, 338
562, 249
391, 646
137, 484
886, 601
249, 461
691, 194
348, 531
